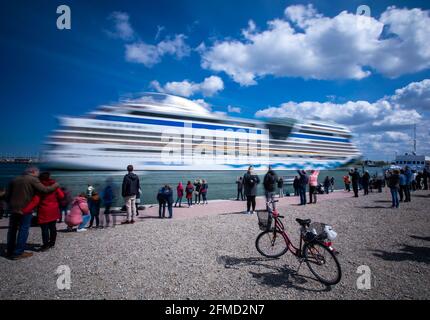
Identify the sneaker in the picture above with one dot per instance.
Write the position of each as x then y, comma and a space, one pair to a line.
23, 256
44, 248
248, 212
132, 221
253, 212
81, 230
125, 222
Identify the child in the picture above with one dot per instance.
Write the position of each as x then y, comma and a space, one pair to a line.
94, 206
79, 214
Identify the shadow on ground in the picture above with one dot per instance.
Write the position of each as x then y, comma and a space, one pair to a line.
406, 253
284, 276
29, 247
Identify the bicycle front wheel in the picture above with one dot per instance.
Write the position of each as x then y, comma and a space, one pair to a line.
322, 262
271, 244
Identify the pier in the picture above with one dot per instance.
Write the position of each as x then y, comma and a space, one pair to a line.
208, 252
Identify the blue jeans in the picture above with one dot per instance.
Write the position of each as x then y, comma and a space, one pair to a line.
302, 193
85, 219
20, 224
395, 197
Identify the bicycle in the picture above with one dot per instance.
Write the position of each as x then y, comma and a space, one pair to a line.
319, 256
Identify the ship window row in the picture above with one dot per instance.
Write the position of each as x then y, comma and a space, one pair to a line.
409, 162
324, 133
199, 119
150, 141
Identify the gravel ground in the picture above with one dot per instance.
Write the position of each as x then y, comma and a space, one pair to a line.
214, 257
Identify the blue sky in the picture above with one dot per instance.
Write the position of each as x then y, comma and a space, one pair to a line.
47, 72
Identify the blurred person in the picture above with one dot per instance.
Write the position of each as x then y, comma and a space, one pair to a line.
347, 183
393, 183
365, 182
313, 183
355, 177
189, 189
204, 191
130, 189
94, 204
79, 214
250, 182
138, 201
90, 189
296, 183
269, 183
281, 187
409, 175
197, 187
303, 182
326, 185
425, 179
402, 185
108, 197
331, 184
20, 192
65, 203
239, 183
3, 203
168, 196
179, 194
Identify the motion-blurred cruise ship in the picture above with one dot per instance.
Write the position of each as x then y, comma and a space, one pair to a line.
165, 132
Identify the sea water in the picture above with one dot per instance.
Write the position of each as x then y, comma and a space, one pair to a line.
222, 184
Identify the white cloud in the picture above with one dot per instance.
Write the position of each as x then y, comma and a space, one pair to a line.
149, 55
307, 44
123, 29
208, 87
234, 109
381, 127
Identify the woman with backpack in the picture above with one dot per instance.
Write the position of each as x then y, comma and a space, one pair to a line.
189, 193
250, 182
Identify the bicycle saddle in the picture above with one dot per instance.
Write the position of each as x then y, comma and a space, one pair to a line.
303, 222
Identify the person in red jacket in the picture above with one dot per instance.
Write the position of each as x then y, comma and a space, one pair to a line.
48, 212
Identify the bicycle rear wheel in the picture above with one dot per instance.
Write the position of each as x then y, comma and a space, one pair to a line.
322, 262
271, 244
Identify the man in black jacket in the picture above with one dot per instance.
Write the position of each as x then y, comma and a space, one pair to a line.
130, 188
303, 181
250, 182
269, 182
355, 176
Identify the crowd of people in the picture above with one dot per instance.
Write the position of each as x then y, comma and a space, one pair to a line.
36, 192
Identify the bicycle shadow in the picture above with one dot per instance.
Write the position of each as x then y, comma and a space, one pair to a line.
284, 276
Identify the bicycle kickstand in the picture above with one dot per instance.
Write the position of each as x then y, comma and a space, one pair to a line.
300, 264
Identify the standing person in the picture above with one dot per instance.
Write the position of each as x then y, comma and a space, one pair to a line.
79, 214
408, 174
189, 189
326, 184
303, 182
20, 192
108, 198
347, 183
130, 188
239, 183
180, 194
296, 183
197, 195
313, 183
94, 203
331, 184
161, 203
48, 212
138, 201
65, 203
281, 187
355, 177
269, 183
402, 184
418, 180
393, 183
168, 198
250, 182
425, 179
204, 191
365, 182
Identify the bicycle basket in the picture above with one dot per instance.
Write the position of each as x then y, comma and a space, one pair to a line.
265, 220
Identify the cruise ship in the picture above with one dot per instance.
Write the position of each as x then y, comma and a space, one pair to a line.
165, 132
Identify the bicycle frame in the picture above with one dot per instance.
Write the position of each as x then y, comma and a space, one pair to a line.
279, 226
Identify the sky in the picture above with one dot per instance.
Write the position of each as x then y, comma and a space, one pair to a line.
254, 59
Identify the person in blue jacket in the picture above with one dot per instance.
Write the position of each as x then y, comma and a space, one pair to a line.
409, 176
